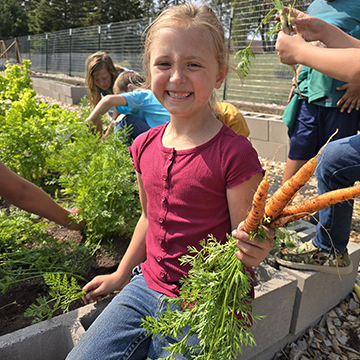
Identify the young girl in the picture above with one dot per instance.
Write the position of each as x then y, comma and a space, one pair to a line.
100, 76
196, 177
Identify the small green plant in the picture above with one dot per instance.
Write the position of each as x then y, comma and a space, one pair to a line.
215, 302
289, 238
243, 56
61, 294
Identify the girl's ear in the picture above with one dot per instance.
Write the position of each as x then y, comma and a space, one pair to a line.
221, 76
131, 87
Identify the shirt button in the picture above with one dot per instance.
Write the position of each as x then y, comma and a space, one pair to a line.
161, 240
174, 287
158, 258
161, 220
163, 198
162, 274
165, 177
170, 157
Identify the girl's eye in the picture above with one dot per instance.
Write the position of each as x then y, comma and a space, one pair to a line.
194, 65
163, 64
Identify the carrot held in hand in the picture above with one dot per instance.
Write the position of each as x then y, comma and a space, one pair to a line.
287, 191
298, 211
257, 211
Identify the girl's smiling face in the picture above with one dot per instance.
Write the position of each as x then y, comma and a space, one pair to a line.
184, 70
102, 79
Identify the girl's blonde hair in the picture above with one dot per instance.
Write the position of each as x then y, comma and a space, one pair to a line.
127, 78
96, 62
186, 16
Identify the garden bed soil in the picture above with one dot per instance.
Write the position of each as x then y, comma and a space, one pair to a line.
14, 302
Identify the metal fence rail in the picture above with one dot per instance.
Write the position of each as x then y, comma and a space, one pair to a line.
66, 52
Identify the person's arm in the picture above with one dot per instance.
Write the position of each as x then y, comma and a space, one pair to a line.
342, 64
135, 254
29, 197
252, 251
104, 105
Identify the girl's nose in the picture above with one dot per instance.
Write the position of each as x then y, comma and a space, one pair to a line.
177, 76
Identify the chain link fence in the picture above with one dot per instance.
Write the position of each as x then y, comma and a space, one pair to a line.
66, 51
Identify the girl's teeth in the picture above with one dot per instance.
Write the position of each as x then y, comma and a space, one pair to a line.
178, 96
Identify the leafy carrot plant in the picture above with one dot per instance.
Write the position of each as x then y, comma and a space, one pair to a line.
216, 304
62, 293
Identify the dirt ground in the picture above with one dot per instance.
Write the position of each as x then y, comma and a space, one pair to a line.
22, 296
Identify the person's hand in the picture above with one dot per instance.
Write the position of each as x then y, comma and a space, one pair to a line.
308, 27
288, 47
98, 124
252, 251
351, 98
76, 225
101, 286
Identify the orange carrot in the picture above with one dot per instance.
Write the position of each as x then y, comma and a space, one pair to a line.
257, 211
297, 211
285, 194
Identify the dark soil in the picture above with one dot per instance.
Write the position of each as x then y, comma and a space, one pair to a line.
14, 302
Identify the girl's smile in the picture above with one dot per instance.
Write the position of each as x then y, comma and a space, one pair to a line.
184, 71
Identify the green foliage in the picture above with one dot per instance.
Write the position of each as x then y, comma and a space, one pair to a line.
28, 253
51, 146
289, 238
101, 179
13, 81
13, 19
62, 293
214, 293
18, 229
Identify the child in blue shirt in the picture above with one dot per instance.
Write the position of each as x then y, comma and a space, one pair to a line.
140, 107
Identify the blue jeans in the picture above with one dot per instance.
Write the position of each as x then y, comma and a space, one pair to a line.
137, 125
117, 332
338, 167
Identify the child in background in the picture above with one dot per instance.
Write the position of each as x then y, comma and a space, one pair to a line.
232, 117
196, 177
338, 165
143, 111
150, 111
100, 76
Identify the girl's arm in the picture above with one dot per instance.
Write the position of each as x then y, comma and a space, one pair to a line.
135, 254
252, 252
104, 105
29, 197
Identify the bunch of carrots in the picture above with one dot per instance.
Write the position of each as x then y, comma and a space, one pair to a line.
277, 211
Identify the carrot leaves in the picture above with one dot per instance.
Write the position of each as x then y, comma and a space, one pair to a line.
215, 302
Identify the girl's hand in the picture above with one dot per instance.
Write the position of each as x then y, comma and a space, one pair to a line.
351, 98
101, 286
252, 251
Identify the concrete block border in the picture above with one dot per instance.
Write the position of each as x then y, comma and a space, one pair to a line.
59, 90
